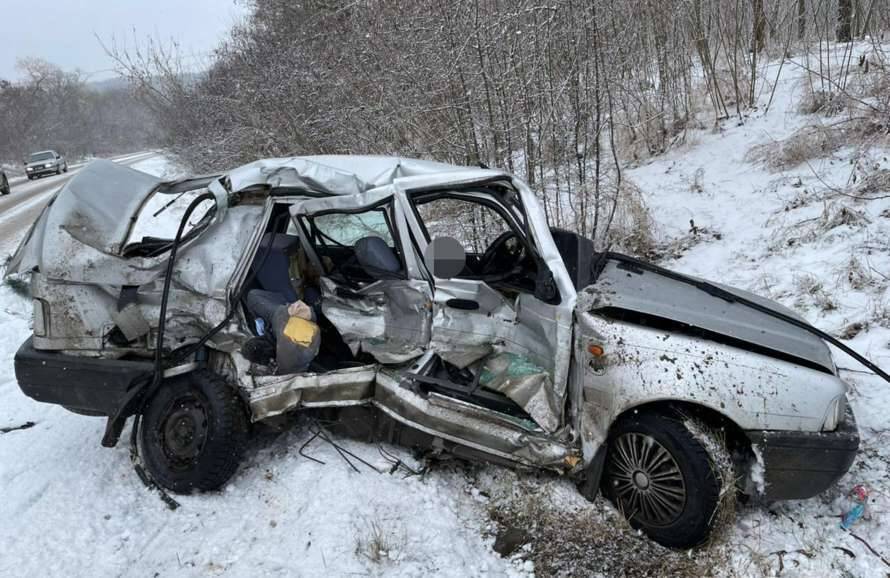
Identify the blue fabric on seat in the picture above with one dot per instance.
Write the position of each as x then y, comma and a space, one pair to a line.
274, 275
376, 257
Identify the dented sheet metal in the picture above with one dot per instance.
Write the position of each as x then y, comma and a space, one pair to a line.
527, 384
389, 320
524, 330
277, 394
647, 292
324, 175
467, 424
86, 220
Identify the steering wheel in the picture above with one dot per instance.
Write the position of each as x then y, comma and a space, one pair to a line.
499, 250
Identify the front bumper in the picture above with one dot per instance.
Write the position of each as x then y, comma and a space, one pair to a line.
44, 171
800, 465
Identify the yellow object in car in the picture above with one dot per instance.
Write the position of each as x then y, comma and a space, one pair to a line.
300, 331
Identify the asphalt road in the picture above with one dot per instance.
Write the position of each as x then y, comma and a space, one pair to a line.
27, 198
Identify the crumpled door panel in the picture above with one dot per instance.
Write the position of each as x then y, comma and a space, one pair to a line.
497, 331
388, 319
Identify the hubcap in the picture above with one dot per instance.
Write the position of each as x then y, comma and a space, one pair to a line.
646, 480
183, 431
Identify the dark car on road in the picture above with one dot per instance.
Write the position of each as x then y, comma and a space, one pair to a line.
4, 183
44, 163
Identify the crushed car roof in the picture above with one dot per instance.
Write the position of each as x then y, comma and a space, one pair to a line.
344, 174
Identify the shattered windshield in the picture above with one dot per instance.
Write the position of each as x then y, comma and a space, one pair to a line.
158, 220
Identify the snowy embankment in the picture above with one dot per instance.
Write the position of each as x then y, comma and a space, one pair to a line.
809, 237
70, 507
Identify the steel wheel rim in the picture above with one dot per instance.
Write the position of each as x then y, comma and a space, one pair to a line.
183, 431
645, 480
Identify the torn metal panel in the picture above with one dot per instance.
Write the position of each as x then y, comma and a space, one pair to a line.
81, 316
334, 175
625, 288
79, 236
276, 394
206, 265
389, 320
472, 426
527, 384
462, 337
592, 406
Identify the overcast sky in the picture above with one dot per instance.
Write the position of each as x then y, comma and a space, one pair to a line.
64, 31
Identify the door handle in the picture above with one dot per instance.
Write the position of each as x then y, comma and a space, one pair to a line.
464, 304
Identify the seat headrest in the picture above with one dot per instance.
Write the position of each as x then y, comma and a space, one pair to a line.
377, 258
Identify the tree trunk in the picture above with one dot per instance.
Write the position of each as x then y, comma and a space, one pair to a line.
801, 19
844, 20
759, 26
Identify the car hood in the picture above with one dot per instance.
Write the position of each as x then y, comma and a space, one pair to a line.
621, 287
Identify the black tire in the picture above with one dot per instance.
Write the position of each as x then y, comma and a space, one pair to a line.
193, 433
676, 505
58, 170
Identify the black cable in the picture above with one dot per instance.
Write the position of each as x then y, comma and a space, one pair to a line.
142, 388
189, 350
721, 293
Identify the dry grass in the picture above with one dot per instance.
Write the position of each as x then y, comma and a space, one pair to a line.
834, 215
823, 102
380, 542
810, 142
874, 183
633, 229
811, 292
564, 537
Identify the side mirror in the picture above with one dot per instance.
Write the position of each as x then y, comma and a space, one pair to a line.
545, 286
445, 257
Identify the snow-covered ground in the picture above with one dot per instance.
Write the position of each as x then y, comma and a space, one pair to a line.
70, 507
788, 236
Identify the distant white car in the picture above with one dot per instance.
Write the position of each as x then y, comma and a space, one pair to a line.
528, 349
45, 163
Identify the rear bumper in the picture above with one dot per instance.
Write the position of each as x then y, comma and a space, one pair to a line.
81, 383
800, 465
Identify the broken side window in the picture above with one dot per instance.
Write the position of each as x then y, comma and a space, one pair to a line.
356, 247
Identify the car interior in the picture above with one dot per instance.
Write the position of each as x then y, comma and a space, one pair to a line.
362, 247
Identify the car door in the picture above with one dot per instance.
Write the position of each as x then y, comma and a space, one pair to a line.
371, 289
490, 318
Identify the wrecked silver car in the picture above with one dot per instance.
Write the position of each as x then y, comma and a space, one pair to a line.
525, 347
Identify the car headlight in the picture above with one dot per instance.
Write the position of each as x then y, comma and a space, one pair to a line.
835, 414
29, 169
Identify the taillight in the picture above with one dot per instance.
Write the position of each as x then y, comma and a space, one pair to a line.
40, 316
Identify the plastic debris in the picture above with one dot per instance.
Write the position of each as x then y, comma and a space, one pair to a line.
857, 500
